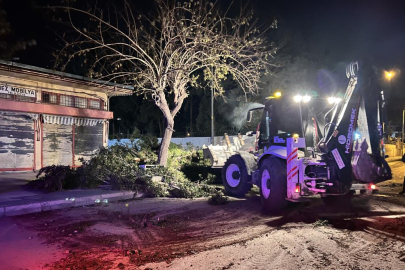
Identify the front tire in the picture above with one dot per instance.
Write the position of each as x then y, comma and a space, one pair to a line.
235, 177
273, 184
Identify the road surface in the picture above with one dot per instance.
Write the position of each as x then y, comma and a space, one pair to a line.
191, 234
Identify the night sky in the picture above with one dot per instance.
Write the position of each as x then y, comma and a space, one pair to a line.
332, 33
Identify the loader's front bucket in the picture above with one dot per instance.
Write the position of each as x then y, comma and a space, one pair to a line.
368, 168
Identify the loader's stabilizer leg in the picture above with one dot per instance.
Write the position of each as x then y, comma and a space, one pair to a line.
369, 168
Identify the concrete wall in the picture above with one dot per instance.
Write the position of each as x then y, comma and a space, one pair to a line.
197, 142
392, 150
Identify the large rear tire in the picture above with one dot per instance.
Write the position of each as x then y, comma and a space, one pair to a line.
235, 177
273, 184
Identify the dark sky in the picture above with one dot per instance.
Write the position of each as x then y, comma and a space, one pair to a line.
347, 30
343, 31
333, 32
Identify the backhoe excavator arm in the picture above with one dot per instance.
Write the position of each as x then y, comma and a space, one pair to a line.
359, 113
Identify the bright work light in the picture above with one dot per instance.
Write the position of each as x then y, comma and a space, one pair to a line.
334, 100
306, 98
298, 98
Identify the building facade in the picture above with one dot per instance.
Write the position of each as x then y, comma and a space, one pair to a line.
51, 118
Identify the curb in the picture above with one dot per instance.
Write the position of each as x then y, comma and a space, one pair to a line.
15, 210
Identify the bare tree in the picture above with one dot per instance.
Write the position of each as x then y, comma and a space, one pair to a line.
163, 53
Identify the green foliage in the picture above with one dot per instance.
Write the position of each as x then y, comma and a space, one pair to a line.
218, 198
57, 177
200, 169
115, 165
148, 142
118, 166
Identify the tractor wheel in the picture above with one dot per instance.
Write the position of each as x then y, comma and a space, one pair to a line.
273, 184
235, 177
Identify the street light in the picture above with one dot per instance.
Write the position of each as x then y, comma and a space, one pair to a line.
119, 126
389, 75
403, 122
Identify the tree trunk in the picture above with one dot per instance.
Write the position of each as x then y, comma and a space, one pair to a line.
164, 145
161, 127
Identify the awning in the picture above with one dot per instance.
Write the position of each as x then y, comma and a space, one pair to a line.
69, 121
34, 116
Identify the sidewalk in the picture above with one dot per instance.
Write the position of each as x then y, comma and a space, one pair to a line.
14, 180
14, 200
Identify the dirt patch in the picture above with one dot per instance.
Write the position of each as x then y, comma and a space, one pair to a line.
185, 234
95, 236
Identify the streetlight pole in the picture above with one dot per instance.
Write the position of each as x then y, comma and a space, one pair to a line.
403, 121
212, 109
119, 127
212, 115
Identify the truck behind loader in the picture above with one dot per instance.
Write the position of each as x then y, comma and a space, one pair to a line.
334, 153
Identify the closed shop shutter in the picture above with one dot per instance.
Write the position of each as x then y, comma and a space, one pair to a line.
57, 145
88, 139
16, 141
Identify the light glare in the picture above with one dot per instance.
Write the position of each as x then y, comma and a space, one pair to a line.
389, 75
298, 98
334, 100
306, 98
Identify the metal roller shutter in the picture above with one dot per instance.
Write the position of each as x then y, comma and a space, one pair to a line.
57, 145
88, 139
16, 141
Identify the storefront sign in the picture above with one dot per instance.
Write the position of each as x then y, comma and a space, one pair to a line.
11, 90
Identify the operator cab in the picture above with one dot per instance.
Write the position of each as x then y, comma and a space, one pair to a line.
280, 120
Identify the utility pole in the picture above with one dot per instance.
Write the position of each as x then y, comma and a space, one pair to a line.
403, 122
191, 114
212, 109
212, 115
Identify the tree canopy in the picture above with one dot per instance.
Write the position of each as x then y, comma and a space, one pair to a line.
165, 52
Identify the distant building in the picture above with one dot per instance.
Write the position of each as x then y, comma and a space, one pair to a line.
49, 117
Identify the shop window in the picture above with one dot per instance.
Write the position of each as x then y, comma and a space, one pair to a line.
66, 101
6, 96
71, 101
49, 98
94, 104
80, 102
53, 98
17, 97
